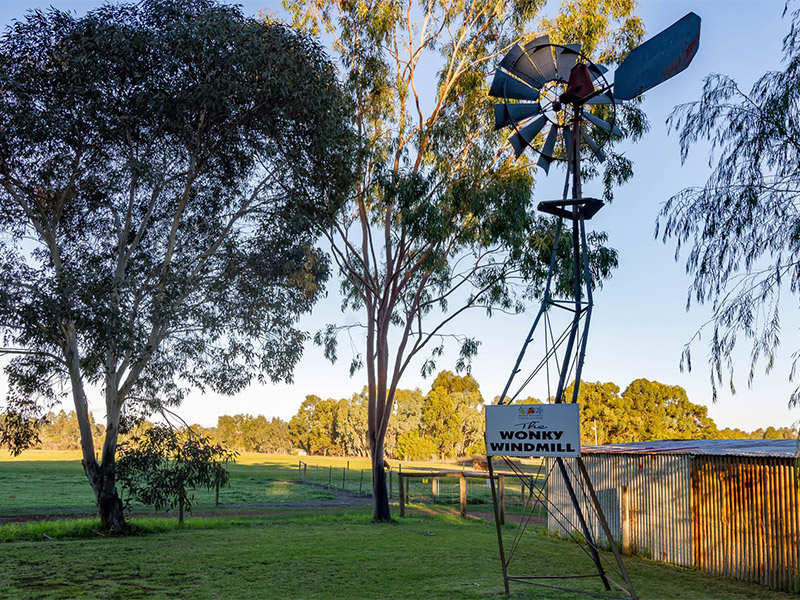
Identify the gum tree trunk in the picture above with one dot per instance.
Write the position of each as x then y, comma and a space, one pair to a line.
101, 475
380, 493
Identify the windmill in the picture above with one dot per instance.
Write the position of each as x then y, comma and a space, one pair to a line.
562, 106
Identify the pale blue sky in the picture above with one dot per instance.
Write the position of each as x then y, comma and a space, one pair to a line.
639, 324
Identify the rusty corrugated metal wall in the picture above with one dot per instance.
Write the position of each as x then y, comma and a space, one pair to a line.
735, 516
745, 521
659, 493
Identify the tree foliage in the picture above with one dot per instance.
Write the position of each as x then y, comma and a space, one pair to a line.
160, 467
742, 228
165, 169
439, 223
247, 433
646, 410
313, 428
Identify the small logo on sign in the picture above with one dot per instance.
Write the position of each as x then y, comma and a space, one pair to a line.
530, 411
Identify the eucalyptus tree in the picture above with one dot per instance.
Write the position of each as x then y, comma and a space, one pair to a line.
742, 226
165, 168
439, 223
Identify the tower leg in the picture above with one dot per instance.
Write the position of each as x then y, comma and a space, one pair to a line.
497, 524
584, 526
604, 524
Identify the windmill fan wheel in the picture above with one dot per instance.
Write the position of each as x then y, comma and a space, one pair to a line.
537, 84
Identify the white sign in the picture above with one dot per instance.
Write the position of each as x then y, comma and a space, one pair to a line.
533, 430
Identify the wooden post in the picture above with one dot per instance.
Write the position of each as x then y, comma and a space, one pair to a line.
462, 484
344, 472
625, 520
522, 491
330, 474
501, 492
390, 483
216, 500
402, 495
299, 469
435, 488
361, 482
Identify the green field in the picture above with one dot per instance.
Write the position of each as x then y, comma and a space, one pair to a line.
306, 549
41, 481
52, 481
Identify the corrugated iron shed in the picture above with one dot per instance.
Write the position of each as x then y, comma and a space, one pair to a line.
730, 507
760, 448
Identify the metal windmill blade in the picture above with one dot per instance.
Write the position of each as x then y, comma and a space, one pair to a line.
525, 136
546, 153
604, 125
508, 114
596, 150
540, 53
518, 64
566, 58
506, 86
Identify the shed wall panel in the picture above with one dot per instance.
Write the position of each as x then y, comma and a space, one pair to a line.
659, 497
745, 519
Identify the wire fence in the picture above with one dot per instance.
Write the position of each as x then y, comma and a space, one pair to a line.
355, 481
430, 486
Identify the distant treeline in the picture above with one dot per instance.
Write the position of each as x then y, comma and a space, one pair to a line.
447, 422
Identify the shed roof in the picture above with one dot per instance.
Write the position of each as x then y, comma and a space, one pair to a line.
762, 448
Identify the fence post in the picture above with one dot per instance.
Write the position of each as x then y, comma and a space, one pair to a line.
305, 469
299, 469
390, 484
330, 475
522, 492
216, 500
462, 484
501, 488
361, 482
402, 495
344, 472
625, 520
435, 488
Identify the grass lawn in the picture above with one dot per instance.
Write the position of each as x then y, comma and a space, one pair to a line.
329, 554
53, 481
292, 553
42, 481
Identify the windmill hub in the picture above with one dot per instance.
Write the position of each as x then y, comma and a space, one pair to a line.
579, 87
